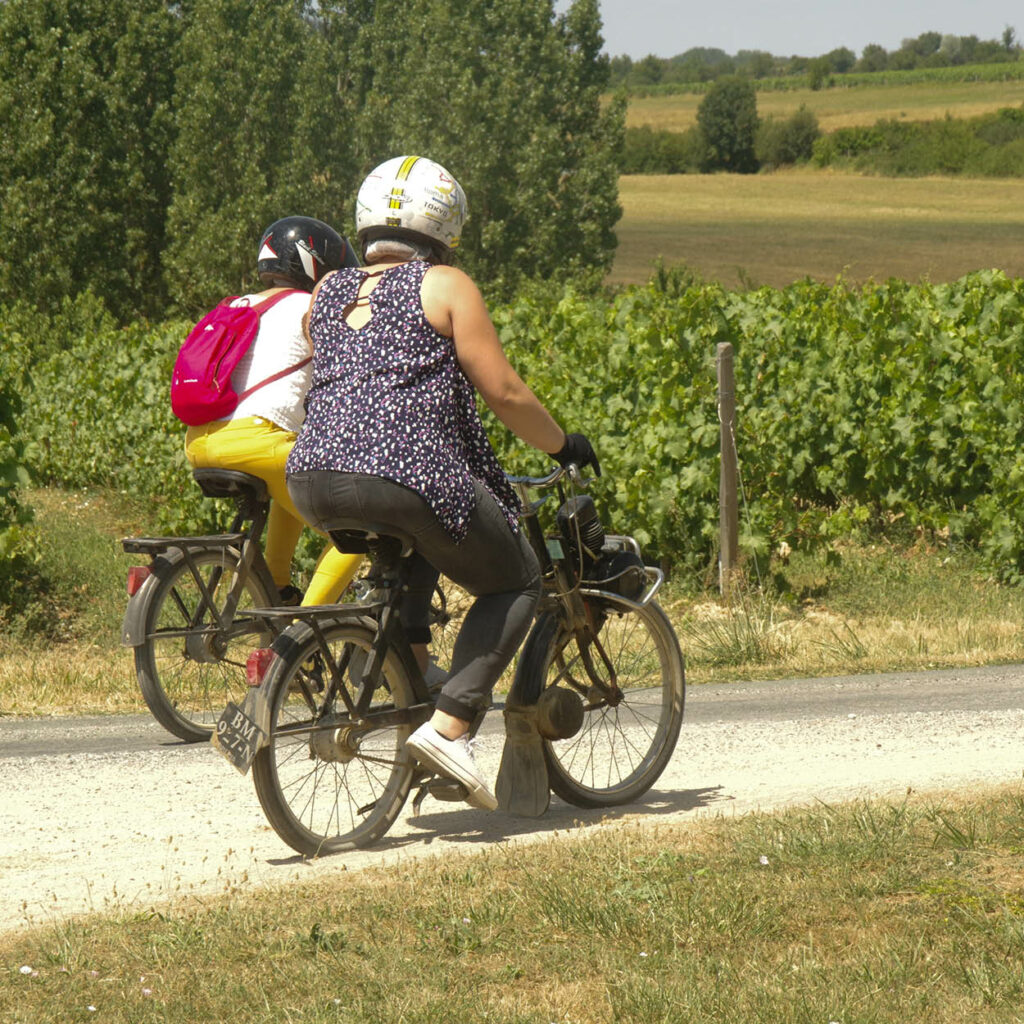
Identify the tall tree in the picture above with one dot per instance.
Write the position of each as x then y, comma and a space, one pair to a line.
727, 118
873, 58
260, 135
84, 130
508, 97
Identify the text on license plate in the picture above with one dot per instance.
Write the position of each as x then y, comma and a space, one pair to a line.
238, 737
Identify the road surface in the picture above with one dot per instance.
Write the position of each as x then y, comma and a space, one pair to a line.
112, 813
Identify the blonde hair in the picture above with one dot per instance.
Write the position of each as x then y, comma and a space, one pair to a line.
397, 248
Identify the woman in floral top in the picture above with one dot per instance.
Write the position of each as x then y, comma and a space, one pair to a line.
392, 436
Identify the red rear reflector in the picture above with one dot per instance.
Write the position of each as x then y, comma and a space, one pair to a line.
256, 665
137, 575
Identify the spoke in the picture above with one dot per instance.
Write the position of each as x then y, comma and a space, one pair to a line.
332, 798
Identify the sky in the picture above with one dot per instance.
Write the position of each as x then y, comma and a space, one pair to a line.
808, 28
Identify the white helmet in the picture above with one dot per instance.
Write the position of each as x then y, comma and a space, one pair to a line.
411, 198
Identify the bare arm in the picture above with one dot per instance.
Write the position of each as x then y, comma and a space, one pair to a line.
454, 306
309, 308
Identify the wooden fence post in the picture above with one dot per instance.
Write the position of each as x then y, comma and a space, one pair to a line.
727, 505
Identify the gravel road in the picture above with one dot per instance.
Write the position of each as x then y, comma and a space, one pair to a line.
113, 813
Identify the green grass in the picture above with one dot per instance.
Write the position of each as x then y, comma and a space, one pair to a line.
870, 912
62, 653
844, 107
751, 230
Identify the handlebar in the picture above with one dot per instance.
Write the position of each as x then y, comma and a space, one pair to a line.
572, 471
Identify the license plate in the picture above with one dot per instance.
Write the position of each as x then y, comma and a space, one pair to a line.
237, 737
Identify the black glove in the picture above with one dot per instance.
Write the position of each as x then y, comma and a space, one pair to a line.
579, 450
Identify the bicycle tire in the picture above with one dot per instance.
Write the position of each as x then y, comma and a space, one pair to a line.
619, 751
329, 788
186, 693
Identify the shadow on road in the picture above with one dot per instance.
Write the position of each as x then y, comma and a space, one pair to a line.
457, 823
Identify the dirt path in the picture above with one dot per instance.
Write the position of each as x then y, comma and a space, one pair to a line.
102, 816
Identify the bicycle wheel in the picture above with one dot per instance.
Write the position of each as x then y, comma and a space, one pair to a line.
188, 668
623, 741
326, 782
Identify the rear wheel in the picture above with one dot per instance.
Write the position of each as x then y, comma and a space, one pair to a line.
623, 736
187, 666
326, 781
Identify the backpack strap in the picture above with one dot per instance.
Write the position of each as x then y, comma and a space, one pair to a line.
260, 309
267, 304
277, 376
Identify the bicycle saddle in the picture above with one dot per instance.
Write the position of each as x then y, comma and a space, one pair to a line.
355, 537
230, 483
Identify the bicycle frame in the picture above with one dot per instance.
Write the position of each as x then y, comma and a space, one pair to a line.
235, 737
592, 716
167, 553
564, 587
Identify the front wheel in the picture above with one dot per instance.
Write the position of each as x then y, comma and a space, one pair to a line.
627, 735
189, 665
328, 781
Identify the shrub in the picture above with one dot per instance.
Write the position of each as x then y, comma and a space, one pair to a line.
18, 544
787, 142
983, 145
648, 151
97, 408
854, 405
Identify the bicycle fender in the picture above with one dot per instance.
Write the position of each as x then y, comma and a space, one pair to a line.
257, 707
527, 683
133, 629
522, 787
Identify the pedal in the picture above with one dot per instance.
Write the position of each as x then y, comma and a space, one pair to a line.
446, 790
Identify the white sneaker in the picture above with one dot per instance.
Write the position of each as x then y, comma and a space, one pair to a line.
454, 760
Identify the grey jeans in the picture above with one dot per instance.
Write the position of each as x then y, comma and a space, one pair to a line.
495, 565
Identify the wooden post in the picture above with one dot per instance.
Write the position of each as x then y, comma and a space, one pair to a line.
727, 504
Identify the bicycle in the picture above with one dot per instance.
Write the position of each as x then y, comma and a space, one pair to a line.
593, 713
189, 616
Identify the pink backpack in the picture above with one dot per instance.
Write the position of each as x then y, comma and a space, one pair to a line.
201, 390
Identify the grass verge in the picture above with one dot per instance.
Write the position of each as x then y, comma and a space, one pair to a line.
868, 912
884, 607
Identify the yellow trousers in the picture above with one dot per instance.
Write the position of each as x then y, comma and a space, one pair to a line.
261, 448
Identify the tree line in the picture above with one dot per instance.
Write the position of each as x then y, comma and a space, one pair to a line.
146, 143
729, 136
706, 64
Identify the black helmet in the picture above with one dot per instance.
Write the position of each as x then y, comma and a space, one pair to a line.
300, 250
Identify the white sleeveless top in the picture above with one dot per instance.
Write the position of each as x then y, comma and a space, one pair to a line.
279, 344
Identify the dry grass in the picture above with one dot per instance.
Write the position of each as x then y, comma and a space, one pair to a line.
883, 608
777, 228
69, 679
772, 640
843, 107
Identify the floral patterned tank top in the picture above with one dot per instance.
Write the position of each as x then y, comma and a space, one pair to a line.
389, 399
